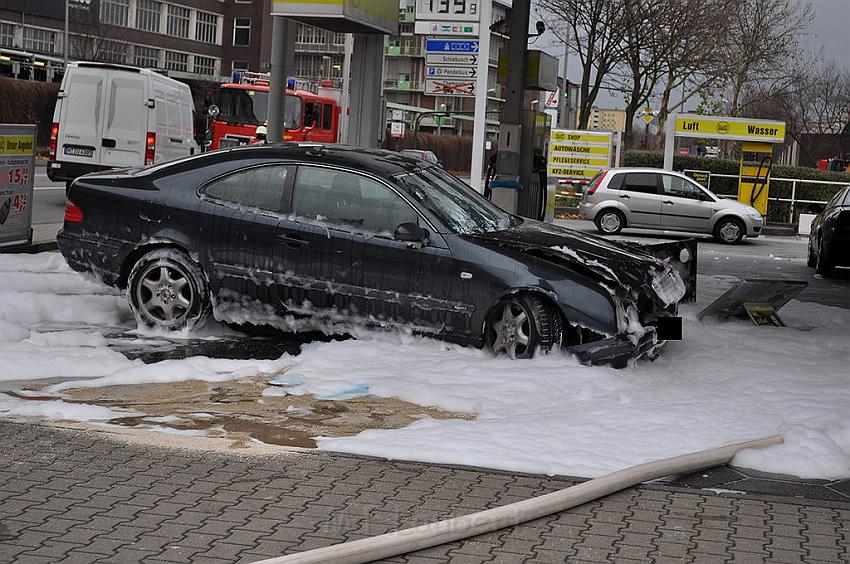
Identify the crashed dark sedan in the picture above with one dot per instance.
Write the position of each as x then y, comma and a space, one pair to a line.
257, 234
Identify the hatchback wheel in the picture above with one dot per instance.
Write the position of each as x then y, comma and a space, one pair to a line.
167, 290
610, 222
520, 326
729, 230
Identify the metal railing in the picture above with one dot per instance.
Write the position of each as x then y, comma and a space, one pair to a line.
796, 183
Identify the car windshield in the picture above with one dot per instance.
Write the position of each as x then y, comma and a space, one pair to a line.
461, 208
251, 106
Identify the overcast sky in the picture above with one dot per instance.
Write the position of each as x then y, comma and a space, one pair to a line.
830, 29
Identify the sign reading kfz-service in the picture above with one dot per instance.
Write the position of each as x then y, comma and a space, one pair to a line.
17, 158
578, 155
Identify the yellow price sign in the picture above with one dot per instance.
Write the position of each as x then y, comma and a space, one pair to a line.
17, 145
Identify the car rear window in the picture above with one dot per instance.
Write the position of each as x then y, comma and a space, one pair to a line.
616, 181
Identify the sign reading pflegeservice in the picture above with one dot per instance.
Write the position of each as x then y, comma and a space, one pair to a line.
734, 129
578, 155
17, 158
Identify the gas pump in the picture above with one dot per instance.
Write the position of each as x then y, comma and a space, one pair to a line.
754, 175
528, 195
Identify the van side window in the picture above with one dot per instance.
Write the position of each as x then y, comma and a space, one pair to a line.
644, 182
327, 116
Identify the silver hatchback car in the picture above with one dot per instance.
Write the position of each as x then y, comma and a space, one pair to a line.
652, 198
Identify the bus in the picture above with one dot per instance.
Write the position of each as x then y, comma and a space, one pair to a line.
243, 105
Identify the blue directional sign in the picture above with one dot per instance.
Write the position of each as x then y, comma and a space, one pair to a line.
451, 46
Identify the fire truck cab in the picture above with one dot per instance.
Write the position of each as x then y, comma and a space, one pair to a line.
239, 107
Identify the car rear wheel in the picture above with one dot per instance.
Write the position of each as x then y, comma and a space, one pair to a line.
811, 261
523, 325
167, 290
729, 230
823, 265
610, 222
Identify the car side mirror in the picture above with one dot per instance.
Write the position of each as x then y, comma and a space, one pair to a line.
411, 233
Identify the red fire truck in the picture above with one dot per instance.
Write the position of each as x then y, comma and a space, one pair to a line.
242, 105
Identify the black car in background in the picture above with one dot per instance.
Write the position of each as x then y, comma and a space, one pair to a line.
364, 236
829, 239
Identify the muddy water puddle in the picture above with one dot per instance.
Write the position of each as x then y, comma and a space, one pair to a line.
237, 411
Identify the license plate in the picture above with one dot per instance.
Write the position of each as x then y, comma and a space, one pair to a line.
79, 151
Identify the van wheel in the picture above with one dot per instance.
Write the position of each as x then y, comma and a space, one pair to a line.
729, 230
167, 290
610, 221
521, 326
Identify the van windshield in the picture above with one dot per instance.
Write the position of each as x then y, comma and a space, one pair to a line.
251, 107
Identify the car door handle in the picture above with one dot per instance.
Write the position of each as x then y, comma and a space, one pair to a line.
626, 196
292, 242
668, 202
109, 143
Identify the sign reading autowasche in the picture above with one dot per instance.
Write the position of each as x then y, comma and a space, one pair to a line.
578, 155
17, 158
450, 66
734, 129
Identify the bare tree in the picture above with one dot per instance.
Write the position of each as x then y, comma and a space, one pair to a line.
90, 38
763, 41
695, 41
594, 30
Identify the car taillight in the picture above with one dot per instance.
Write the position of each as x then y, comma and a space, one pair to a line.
591, 188
73, 214
150, 148
54, 139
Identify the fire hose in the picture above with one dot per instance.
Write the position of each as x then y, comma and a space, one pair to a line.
441, 532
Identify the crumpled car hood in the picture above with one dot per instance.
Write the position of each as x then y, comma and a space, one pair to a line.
598, 257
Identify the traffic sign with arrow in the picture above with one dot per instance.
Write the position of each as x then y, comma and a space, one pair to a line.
450, 72
451, 59
451, 45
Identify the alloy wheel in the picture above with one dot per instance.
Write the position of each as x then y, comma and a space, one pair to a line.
512, 331
164, 294
610, 223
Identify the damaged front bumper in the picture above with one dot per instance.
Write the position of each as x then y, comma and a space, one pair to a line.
618, 350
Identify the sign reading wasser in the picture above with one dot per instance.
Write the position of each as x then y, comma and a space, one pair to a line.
734, 129
578, 155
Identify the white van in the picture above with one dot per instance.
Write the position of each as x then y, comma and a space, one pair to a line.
115, 116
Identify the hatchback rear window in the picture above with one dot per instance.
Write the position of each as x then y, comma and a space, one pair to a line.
644, 182
616, 181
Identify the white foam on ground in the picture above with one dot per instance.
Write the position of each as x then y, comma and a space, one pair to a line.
725, 382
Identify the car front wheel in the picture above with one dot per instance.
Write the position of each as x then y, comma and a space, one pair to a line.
167, 290
523, 325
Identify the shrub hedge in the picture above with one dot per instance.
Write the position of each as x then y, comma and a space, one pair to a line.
777, 211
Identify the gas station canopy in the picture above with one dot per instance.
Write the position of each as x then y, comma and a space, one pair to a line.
342, 16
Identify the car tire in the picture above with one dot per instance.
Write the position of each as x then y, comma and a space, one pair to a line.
811, 260
823, 265
729, 230
520, 326
610, 221
167, 290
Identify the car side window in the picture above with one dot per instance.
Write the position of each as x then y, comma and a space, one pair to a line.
644, 182
679, 187
348, 201
262, 187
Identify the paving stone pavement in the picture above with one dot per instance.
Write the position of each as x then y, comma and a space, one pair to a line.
75, 496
